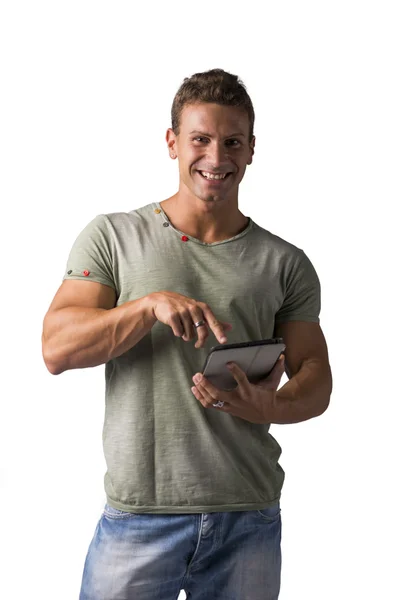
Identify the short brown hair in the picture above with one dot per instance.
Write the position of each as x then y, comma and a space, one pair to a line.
217, 86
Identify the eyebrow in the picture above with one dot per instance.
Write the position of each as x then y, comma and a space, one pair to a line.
209, 134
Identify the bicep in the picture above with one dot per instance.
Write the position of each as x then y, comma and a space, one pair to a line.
86, 294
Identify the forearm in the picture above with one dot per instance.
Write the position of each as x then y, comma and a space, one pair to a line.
77, 337
304, 396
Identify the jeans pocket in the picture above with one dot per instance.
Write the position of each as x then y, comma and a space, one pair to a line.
270, 513
116, 513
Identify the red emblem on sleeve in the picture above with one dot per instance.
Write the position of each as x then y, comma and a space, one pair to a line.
86, 273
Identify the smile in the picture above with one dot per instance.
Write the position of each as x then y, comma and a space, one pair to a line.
213, 176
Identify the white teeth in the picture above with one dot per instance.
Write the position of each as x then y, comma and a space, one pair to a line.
210, 176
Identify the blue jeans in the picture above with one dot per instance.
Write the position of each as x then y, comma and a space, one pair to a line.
211, 556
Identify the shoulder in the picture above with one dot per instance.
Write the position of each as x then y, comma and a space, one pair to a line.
287, 253
135, 218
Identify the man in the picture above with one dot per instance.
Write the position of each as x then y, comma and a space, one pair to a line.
193, 482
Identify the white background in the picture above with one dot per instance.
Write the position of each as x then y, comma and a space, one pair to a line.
85, 103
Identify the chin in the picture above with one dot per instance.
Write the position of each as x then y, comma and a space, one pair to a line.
209, 197
215, 198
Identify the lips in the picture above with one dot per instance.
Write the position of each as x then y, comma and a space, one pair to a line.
212, 179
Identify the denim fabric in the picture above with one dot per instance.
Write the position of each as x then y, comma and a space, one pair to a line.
211, 556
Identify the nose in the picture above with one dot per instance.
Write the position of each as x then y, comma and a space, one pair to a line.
216, 154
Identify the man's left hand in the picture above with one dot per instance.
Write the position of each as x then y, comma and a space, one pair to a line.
248, 401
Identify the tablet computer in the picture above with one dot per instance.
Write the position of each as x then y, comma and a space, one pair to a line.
256, 359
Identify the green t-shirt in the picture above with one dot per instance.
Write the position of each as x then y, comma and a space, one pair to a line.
165, 452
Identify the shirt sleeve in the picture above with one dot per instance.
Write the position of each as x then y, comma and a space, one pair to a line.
90, 257
302, 301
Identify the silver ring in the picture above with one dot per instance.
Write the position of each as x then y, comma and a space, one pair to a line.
219, 404
200, 323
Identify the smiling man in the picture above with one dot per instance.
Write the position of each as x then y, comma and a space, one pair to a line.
214, 144
193, 482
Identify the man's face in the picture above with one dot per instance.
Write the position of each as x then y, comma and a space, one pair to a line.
212, 140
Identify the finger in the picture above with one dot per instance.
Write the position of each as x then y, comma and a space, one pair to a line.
240, 376
279, 366
202, 335
196, 392
188, 324
210, 393
278, 370
215, 325
282, 362
201, 330
207, 403
177, 325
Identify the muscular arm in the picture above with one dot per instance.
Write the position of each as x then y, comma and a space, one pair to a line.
304, 396
82, 328
307, 393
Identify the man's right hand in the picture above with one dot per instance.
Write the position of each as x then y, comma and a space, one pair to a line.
181, 313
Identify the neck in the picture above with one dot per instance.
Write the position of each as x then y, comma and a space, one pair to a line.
207, 221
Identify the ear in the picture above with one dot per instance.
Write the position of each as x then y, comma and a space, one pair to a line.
171, 143
252, 145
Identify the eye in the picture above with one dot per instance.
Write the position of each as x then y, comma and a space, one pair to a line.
234, 144
199, 139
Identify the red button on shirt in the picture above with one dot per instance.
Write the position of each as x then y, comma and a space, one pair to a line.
86, 273
185, 238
